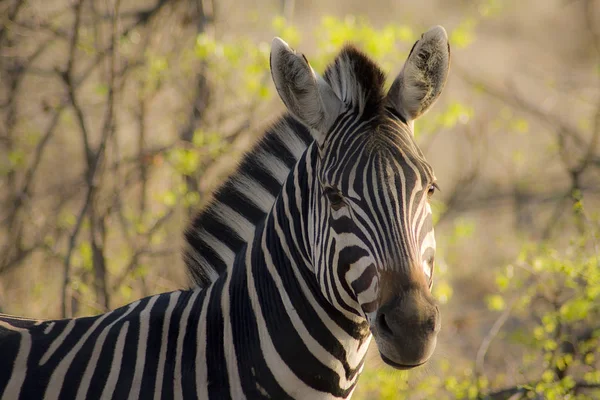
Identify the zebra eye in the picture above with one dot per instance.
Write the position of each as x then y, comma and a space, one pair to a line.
431, 189
334, 197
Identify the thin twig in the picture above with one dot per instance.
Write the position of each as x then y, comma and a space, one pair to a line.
487, 340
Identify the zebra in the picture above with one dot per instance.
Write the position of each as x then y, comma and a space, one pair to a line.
343, 253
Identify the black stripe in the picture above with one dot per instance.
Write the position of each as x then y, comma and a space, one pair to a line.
37, 378
219, 229
311, 320
218, 380
284, 336
173, 333
128, 362
348, 326
365, 280
156, 318
256, 378
237, 201
9, 347
103, 367
331, 274
190, 344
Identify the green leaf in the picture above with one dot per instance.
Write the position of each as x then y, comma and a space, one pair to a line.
16, 158
520, 125
455, 113
464, 34
205, 46
405, 33
495, 302
184, 161
575, 310
442, 291
101, 89
169, 198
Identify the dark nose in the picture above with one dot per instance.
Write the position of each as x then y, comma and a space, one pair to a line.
410, 315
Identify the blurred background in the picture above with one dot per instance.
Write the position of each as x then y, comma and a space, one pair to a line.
118, 119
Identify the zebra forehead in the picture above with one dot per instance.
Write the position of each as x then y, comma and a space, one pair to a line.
386, 164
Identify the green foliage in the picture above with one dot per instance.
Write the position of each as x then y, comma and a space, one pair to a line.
248, 62
455, 113
464, 34
381, 44
185, 161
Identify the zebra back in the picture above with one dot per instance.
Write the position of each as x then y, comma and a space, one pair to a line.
224, 226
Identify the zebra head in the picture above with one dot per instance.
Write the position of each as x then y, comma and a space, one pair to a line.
373, 245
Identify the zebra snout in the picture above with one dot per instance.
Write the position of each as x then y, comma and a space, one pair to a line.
406, 329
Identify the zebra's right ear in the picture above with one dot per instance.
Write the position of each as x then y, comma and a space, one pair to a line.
423, 76
306, 95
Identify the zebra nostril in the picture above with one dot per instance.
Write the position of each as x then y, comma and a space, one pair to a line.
430, 325
383, 325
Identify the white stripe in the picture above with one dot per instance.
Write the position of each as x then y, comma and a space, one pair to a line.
224, 252
19, 368
204, 265
343, 240
201, 367
370, 294
115, 368
291, 140
183, 327
313, 345
274, 165
428, 242
136, 383
235, 388
396, 232
93, 361
49, 328
357, 268
57, 342
423, 214
164, 342
254, 191
289, 382
233, 219
58, 376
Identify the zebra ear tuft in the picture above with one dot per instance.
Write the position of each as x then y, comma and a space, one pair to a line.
423, 76
307, 96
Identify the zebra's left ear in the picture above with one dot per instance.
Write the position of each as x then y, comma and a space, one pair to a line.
423, 76
306, 95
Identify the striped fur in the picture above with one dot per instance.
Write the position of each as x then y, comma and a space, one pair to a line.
242, 202
225, 225
344, 254
217, 233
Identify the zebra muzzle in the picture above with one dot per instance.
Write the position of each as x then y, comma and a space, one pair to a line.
406, 328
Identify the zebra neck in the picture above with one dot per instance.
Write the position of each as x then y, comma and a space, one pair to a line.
284, 324
286, 243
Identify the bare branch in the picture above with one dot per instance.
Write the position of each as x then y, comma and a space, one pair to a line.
10, 18
487, 340
520, 103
